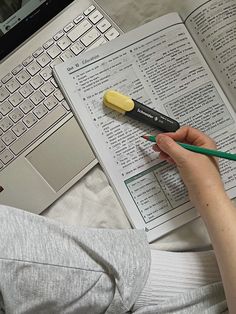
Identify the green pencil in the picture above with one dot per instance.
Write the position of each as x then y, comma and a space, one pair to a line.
197, 149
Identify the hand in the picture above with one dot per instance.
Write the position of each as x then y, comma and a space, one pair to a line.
201, 176
200, 173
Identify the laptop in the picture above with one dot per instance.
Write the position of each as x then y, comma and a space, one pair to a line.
43, 151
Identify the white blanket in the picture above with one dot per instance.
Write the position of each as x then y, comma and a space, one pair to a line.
92, 202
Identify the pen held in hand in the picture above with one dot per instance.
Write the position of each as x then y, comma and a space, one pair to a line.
198, 149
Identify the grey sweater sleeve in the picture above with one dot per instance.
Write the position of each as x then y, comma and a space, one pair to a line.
46, 267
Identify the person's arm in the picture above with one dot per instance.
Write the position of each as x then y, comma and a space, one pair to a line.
202, 179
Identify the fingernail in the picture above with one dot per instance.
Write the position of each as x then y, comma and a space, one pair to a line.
154, 147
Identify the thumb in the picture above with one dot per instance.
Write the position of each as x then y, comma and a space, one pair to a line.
171, 148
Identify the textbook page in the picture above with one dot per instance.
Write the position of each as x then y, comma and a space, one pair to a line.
213, 27
159, 65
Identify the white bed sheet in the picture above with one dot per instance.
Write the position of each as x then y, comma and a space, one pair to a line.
91, 202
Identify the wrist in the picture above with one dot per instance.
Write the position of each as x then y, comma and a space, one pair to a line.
210, 200
207, 194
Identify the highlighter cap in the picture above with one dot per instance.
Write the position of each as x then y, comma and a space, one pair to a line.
118, 101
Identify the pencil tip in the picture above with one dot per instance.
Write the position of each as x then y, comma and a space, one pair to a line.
145, 137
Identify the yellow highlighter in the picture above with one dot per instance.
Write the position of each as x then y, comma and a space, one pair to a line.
134, 109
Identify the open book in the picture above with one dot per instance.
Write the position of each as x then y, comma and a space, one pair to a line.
182, 66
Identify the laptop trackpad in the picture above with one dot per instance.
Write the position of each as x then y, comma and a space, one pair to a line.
62, 156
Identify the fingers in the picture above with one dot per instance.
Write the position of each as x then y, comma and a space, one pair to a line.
163, 156
156, 148
192, 136
170, 150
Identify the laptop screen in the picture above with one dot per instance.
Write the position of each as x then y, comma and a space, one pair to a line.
14, 11
19, 19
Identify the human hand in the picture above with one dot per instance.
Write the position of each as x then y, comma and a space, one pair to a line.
199, 172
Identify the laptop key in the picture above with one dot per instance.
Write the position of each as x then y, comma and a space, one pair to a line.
79, 30
47, 89
58, 35
64, 43
37, 81
16, 99
48, 43
65, 104
95, 17
8, 138
33, 68
55, 62
77, 48
46, 73
6, 78
30, 120
50, 102
43, 60
5, 124
41, 127
68, 54
26, 90
37, 97
112, 34
78, 19
26, 106
38, 52
19, 129
12, 85
3, 93
90, 37
68, 27
54, 82
89, 10
5, 108
6, 156
98, 43
23, 77
27, 61
16, 115
54, 51
59, 95
2, 146
104, 25
40, 111
17, 69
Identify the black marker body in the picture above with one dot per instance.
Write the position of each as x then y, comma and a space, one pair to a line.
152, 117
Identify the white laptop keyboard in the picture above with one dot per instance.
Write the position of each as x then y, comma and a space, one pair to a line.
30, 101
